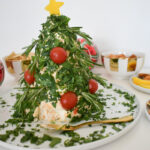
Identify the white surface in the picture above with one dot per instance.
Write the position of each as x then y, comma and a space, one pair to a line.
136, 139
113, 24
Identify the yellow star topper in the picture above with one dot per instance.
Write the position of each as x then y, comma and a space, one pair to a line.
53, 7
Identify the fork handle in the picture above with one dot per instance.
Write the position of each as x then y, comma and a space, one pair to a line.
119, 120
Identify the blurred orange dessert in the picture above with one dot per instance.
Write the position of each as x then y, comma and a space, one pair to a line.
132, 60
13, 57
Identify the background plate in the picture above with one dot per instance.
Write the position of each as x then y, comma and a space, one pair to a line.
138, 87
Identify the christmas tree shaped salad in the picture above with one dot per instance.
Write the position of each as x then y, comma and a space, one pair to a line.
58, 87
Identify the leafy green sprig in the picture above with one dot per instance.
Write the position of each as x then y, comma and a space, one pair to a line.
73, 75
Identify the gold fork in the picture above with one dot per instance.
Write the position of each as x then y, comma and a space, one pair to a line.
70, 128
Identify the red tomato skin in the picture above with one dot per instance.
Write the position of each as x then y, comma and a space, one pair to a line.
75, 111
81, 40
93, 86
90, 68
29, 78
93, 59
102, 58
58, 55
91, 49
68, 100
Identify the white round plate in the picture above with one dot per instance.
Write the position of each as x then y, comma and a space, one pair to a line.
114, 108
138, 87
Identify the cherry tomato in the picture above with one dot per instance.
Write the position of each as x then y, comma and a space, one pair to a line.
93, 59
75, 111
58, 55
81, 40
68, 100
29, 78
93, 86
91, 49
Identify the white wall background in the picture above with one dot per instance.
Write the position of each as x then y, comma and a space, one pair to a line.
113, 24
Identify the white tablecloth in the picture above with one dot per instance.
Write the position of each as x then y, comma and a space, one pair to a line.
136, 139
